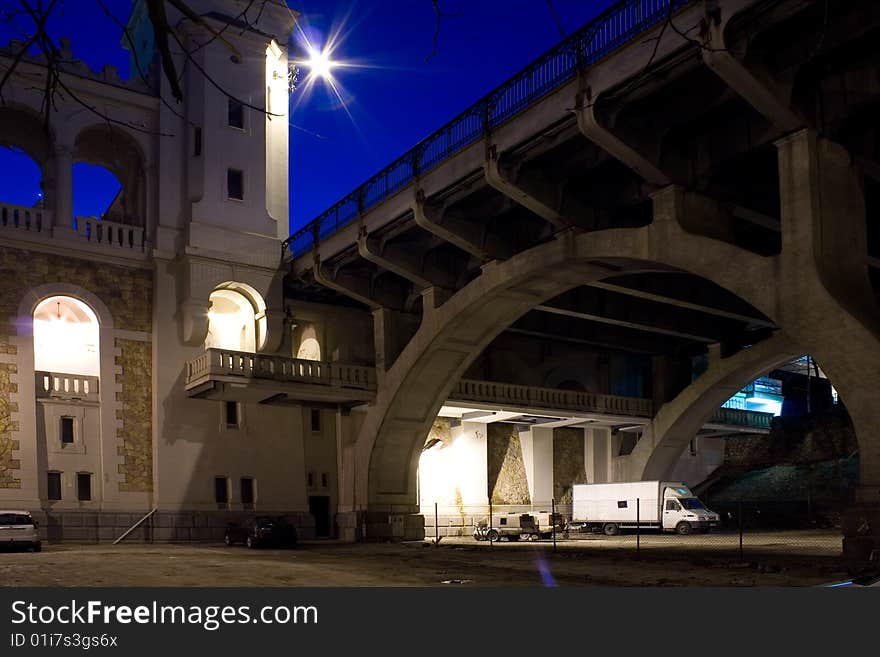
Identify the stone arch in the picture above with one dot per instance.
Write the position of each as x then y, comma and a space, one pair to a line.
21, 127
121, 154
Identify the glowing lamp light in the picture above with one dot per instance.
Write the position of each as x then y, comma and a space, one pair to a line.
320, 64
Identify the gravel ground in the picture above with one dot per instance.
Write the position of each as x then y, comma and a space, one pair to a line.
593, 560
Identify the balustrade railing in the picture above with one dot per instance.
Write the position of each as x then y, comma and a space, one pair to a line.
216, 362
66, 386
598, 38
550, 398
110, 233
742, 418
20, 217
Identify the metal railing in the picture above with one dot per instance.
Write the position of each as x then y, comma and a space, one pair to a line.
598, 38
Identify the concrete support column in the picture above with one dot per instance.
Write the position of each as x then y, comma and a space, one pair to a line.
827, 301
597, 455
62, 192
539, 467
471, 461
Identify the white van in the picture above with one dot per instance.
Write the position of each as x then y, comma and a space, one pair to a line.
19, 529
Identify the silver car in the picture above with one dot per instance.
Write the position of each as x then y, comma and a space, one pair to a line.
19, 529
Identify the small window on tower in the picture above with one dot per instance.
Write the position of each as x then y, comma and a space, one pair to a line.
316, 419
235, 184
235, 114
231, 412
197, 142
84, 486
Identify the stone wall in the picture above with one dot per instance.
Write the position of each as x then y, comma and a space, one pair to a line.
127, 292
8, 429
507, 471
568, 462
136, 412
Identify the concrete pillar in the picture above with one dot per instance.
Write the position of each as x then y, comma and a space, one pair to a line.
827, 304
62, 193
541, 479
597, 454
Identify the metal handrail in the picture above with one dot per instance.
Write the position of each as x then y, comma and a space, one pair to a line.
598, 38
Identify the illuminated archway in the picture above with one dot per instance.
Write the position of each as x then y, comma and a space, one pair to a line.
66, 334
236, 319
309, 347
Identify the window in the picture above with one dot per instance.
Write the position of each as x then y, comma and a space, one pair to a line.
235, 184
311, 479
316, 419
67, 431
247, 490
621, 504
230, 412
53, 480
83, 486
671, 505
693, 447
502, 521
235, 114
197, 142
323, 480
221, 490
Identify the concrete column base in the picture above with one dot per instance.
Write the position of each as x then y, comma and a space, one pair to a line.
861, 536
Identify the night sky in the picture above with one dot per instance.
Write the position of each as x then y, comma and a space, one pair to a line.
394, 96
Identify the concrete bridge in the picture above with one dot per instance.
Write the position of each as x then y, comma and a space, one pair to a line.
677, 180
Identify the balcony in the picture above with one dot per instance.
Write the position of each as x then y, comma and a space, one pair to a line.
66, 387
246, 377
99, 236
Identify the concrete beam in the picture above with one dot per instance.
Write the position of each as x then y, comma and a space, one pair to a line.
593, 130
465, 237
767, 101
403, 265
353, 287
602, 319
671, 301
544, 203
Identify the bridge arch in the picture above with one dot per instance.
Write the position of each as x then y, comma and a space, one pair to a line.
453, 335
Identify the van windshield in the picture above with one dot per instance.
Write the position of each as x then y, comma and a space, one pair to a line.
691, 503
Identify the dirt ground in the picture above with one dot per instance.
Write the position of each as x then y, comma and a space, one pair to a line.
663, 561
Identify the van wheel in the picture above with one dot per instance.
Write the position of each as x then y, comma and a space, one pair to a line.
611, 529
492, 535
683, 528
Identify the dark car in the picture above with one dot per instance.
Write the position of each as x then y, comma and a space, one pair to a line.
262, 532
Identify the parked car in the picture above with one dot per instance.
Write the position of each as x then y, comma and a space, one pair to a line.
19, 529
262, 531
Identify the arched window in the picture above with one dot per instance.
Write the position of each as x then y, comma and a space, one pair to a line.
66, 337
236, 319
309, 347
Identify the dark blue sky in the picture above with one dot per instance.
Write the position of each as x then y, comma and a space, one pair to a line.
395, 99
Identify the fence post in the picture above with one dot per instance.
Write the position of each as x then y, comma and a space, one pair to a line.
489, 531
436, 526
638, 527
740, 516
553, 520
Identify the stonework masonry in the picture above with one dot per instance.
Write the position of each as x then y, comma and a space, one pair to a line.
136, 413
507, 472
568, 462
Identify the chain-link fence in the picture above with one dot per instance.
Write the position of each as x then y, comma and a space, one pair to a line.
741, 530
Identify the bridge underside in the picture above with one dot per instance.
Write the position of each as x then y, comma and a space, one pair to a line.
686, 198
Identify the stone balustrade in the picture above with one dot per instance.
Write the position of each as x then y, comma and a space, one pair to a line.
23, 218
110, 233
226, 362
58, 385
550, 398
742, 418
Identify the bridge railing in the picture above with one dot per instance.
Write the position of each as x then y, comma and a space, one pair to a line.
742, 418
598, 38
550, 398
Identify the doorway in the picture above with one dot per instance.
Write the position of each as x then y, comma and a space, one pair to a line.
319, 507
